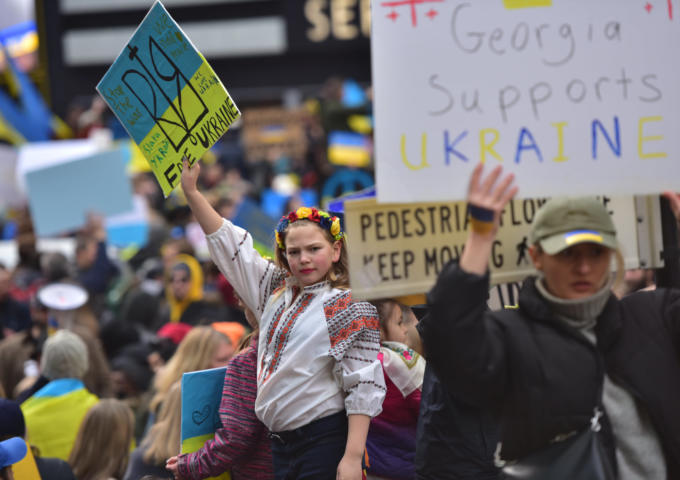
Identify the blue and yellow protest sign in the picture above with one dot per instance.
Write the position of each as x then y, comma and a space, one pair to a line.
24, 116
167, 96
201, 398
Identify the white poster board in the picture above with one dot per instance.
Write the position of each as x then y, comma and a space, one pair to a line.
10, 195
574, 96
399, 249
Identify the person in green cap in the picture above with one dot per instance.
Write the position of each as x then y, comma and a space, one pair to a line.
569, 348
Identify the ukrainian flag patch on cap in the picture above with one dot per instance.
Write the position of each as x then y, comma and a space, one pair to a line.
580, 236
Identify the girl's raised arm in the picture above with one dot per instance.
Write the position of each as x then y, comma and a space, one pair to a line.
231, 248
487, 197
206, 216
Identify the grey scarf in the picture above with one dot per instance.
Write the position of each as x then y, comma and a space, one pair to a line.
580, 313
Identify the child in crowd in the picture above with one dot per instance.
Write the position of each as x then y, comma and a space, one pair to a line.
242, 444
391, 443
319, 379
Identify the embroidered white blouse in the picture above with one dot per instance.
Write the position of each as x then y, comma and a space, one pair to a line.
318, 352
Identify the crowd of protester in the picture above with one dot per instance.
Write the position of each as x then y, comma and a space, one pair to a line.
93, 347
94, 344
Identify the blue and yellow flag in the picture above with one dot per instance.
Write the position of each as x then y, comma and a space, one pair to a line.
23, 112
53, 416
349, 149
201, 398
167, 96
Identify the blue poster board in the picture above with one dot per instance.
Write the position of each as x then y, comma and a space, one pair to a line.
61, 196
201, 398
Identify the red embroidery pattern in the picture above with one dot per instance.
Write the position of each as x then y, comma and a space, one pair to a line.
238, 247
351, 325
274, 324
338, 304
281, 339
356, 325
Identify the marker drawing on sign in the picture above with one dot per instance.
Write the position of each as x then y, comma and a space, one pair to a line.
431, 13
176, 116
167, 97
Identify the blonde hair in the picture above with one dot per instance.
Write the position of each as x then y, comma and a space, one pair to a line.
195, 352
163, 440
338, 275
102, 447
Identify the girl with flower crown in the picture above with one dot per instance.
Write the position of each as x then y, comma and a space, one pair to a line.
319, 379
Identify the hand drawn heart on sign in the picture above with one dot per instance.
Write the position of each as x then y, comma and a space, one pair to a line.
199, 416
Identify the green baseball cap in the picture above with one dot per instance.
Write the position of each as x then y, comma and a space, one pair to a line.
562, 222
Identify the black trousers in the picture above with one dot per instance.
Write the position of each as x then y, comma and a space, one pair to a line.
311, 452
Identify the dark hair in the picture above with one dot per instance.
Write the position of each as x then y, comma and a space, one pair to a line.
385, 308
82, 242
181, 267
338, 276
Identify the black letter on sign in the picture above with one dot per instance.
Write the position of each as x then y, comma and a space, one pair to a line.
167, 175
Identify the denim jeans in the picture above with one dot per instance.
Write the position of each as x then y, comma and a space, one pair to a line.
311, 452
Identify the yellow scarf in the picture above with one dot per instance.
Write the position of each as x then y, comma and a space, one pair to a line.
177, 307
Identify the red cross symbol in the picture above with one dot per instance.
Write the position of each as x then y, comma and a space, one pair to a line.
649, 7
411, 3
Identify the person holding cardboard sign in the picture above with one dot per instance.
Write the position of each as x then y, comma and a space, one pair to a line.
319, 378
570, 358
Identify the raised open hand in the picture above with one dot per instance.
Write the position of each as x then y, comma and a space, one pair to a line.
488, 193
487, 197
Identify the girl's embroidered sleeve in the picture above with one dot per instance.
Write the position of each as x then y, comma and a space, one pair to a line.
238, 437
253, 277
354, 334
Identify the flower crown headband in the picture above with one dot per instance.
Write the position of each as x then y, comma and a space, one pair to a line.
325, 221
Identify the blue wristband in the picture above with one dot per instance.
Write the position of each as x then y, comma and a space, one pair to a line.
480, 213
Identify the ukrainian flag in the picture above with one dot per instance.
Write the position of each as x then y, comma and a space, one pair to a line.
349, 149
53, 416
580, 236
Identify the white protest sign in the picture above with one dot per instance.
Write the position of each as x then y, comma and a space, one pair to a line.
576, 97
399, 249
10, 194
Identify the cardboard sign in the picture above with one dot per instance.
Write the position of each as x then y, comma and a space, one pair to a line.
399, 249
62, 194
130, 228
167, 96
201, 398
577, 97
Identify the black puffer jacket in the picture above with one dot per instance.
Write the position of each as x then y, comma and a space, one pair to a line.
455, 441
545, 374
